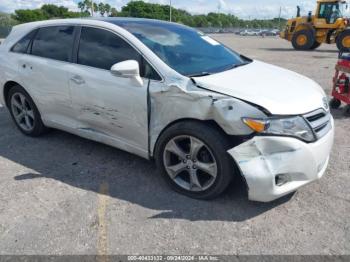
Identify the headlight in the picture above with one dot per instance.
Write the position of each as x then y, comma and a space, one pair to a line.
290, 126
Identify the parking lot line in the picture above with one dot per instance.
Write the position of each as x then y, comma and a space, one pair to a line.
102, 246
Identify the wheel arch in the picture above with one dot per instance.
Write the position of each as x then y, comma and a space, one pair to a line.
236, 140
305, 26
7, 87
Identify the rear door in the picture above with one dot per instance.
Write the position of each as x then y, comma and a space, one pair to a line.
44, 71
106, 104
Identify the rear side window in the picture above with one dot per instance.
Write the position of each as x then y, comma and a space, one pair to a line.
22, 45
55, 42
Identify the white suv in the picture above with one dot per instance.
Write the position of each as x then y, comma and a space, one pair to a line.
167, 92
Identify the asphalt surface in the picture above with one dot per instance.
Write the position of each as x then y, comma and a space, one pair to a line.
61, 194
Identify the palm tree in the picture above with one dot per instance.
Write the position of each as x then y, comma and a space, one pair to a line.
81, 6
113, 12
108, 9
101, 8
95, 7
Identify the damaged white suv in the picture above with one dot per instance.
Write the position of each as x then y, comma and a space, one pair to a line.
165, 91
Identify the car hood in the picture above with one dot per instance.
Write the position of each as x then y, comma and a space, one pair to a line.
280, 91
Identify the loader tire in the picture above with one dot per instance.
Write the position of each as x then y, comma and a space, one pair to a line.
303, 40
343, 41
315, 45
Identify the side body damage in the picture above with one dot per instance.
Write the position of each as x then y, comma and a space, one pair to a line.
176, 103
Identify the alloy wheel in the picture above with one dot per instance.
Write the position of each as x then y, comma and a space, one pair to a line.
23, 113
190, 163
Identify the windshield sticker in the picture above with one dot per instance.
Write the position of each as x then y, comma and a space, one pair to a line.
210, 40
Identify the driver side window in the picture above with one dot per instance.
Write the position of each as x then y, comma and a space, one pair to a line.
101, 49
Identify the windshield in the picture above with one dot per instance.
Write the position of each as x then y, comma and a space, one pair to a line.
330, 11
186, 50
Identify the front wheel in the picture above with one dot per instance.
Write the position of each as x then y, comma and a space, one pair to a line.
194, 161
343, 41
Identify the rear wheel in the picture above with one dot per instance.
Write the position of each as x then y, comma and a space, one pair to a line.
24, 112
303, 40
194, 161
343, 41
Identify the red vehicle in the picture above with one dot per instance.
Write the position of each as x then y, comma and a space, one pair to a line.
341, 84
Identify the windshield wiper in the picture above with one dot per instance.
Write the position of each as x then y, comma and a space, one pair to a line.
200, 74
225, 69
237, 65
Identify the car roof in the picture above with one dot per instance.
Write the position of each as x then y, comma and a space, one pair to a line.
123, 20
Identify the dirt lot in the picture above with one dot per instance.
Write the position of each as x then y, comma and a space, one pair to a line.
61, 194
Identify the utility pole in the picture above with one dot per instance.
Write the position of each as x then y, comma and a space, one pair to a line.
92, 8
170, 12
279, 19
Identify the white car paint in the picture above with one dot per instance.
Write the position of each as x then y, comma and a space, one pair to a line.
288, 92
102, 106
271, 156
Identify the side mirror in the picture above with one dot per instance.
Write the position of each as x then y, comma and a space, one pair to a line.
128, 69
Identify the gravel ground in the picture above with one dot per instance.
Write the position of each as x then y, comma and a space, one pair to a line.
61, 194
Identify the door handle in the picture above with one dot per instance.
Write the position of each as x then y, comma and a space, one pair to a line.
78, 80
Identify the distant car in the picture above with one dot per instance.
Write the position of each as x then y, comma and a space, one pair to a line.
165, 91
267, 33
248, 33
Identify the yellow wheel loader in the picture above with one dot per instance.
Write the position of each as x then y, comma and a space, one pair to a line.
327, 25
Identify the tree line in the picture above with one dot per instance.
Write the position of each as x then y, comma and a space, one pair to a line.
139, 9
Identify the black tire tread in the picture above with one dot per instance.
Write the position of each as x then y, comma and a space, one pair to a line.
315, 45
310, 37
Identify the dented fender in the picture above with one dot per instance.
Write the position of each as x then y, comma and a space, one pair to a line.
184, 100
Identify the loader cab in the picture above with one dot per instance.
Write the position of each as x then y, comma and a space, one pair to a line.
330, 11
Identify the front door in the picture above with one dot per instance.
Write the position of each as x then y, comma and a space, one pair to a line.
105, 104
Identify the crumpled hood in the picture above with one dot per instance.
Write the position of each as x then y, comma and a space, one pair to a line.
280, 91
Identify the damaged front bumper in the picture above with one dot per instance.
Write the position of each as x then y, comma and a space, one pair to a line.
276, 166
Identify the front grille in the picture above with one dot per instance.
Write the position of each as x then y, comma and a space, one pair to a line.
320, 122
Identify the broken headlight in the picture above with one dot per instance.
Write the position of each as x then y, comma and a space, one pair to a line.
288, 126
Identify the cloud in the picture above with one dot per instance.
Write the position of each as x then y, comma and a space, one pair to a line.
242, 8
222, 6
9, 6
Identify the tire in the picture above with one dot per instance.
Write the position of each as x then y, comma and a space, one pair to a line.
24, 112
303, 40
343, 41
214, 150
335, 103
315, 45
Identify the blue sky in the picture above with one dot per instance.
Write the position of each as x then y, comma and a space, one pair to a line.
242, 8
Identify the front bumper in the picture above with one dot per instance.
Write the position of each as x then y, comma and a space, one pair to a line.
264, 158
